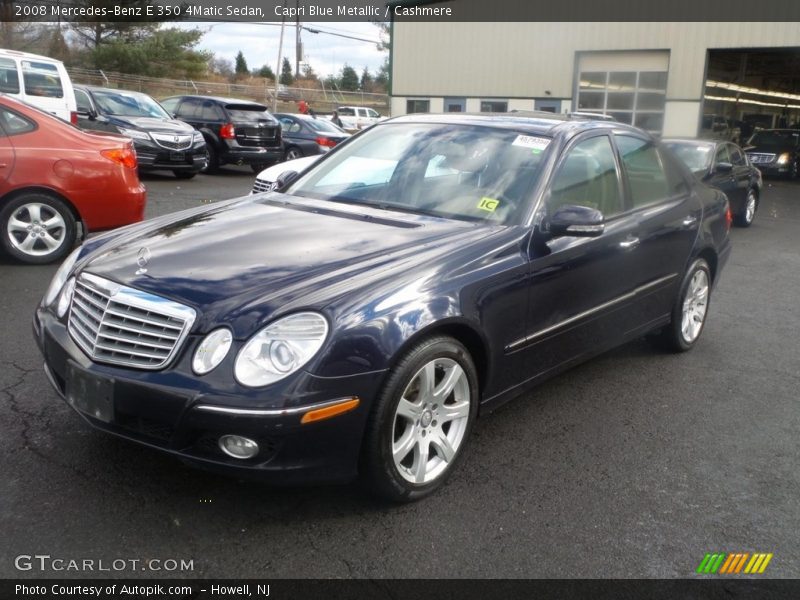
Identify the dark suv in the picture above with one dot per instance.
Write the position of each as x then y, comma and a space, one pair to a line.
236, 131
161, 142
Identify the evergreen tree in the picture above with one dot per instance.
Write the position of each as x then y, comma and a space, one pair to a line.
287, 74
241, 65
366, 80
348, 80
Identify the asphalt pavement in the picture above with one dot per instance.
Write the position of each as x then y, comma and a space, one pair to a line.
635, 464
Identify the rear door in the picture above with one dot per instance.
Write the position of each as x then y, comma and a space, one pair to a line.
6, 154
741, 173
668, 215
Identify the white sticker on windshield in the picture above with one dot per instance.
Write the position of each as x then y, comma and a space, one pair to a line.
704, 149
535, 143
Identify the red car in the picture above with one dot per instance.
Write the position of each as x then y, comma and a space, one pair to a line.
52, 176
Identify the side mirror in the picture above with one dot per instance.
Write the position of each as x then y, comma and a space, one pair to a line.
90, 114
578, 221
284, 179
723, 167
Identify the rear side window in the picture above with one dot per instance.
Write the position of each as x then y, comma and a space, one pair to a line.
15, 124
588, 177
646, 177
9, 78
41, 79
190, 108
722, 155
210, 112
170, 104
346, 112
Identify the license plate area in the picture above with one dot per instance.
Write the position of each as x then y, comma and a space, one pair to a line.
91, 394
177, 156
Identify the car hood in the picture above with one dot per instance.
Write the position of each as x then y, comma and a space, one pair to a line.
242, 262
154, 125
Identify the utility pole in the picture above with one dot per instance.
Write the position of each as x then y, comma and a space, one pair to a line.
298, 51
278, 70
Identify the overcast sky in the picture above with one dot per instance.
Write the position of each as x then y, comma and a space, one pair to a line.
326, 53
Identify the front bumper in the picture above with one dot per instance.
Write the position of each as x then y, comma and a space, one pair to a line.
152, 157
177, 413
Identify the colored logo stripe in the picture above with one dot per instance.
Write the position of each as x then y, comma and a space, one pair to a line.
734, 563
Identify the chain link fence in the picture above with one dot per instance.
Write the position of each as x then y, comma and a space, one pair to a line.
321, 99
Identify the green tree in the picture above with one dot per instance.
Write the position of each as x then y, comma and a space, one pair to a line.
366, 80
266, 72
308, 71
241, 65
95, 33
348, 80
383, 75
287, 73
166, 53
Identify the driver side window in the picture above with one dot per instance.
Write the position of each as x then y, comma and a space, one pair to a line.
588, 177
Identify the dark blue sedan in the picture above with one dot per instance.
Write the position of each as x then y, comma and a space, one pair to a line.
357, 321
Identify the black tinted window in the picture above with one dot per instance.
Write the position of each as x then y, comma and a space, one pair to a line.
588, 177
646, 177
170, 104
190, 108
722, 155
246, 112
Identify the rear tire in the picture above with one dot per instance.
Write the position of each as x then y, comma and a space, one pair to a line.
37, 229
292, 153
689, 311
421, 421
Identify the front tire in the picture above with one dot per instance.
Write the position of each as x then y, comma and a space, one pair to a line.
690, 310
212, 160
745, 218
421, 421
37, 228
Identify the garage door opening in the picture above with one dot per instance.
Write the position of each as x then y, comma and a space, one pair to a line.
749, 90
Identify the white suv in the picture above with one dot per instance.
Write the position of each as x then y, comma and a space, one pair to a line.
358, 117
40, 81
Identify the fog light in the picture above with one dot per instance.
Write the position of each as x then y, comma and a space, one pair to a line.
238, 446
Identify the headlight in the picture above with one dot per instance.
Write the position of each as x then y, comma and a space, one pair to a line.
280, 349
211, 351
65, 298
783, 158
60, 278
135, 134
197, 137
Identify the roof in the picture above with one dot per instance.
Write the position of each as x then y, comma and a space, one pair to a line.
695, 141
219, 99
540, 123
28, 55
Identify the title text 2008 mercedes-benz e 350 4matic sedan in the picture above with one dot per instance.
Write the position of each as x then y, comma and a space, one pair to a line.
359, 319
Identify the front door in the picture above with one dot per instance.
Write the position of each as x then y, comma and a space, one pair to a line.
581, 288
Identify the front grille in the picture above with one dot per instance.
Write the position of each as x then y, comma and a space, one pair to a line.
261, 186
172, 142
760, 157
145, 427
120, 325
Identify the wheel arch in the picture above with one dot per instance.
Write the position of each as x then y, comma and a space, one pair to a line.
710, 256
462, 331
38, 189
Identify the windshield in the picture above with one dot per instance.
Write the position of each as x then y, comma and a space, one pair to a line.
456, 171
695, 156
775, 138
128, 104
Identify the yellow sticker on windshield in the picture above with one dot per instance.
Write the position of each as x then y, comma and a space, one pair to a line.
488, 204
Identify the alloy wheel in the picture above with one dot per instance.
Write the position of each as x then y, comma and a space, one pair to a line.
430, 421
750, 207
36, 229
695, 304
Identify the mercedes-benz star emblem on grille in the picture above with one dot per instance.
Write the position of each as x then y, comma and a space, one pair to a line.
142, 259
176, 139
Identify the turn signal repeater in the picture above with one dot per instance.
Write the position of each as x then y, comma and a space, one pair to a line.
332, 410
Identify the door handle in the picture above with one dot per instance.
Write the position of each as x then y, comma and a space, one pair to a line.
629, 243
689, 221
